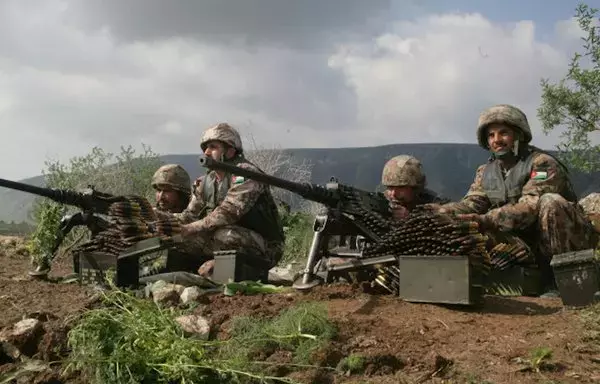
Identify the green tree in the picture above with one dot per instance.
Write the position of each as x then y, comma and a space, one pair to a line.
127, 173
573, 102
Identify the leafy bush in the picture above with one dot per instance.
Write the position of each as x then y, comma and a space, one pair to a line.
133, 340
298, 227
571, 104
123, 174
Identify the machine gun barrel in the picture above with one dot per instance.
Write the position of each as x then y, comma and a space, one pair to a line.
93, 201
308, 191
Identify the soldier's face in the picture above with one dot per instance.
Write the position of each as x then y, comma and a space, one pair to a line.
216, 149
167, 198
501, 138
400, 195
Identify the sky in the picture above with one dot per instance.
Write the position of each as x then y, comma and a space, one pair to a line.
75, 74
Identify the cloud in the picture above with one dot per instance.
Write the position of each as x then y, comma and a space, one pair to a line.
428, 79
297, 24
69, 81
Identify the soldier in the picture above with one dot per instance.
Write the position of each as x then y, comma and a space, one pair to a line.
523, 195
230, 212
405, 183
405, 188
173, 188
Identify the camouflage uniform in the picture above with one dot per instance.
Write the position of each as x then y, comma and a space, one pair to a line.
406, 171
176, 177
591, 206
533, 203
232, 213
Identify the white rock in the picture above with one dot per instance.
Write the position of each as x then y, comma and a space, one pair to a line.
158, 285
194, 325
190, 294
279, 274
165, 296
23, 336
177, 287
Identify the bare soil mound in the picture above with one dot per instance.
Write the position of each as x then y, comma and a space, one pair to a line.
399, 342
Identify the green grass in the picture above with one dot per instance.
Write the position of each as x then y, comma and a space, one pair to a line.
299, 233
132, 340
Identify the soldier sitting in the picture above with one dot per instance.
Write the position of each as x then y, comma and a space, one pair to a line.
173, 188
230, 212
405, 183
523, 195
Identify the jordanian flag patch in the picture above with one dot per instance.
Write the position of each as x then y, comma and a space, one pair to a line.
539, 175
237, 179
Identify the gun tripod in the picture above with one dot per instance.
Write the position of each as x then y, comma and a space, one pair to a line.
94, 223
351, 239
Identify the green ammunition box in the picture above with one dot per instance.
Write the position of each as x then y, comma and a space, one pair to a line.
239, 265
124, 269
577, 276
439, 279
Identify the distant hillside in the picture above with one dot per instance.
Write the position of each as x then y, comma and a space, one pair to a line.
449, 167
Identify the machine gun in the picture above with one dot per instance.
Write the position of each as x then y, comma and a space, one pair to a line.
93, 205
360, 219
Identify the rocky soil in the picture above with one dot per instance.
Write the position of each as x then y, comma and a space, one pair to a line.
401, 342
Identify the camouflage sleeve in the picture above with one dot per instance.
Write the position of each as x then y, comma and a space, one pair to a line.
195, 209
475, 201
240, 198
546, 177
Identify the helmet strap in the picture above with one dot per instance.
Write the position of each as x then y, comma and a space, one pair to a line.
516, 146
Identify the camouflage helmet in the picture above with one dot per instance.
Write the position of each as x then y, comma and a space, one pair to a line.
403, 171
225, 133
503, 114
173, 175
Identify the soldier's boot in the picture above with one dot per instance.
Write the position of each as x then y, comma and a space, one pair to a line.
42, 269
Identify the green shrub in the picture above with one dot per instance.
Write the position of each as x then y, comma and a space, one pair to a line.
125, 173
132, 340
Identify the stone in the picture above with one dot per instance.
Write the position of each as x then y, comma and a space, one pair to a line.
24, 336
195, 326
191, 295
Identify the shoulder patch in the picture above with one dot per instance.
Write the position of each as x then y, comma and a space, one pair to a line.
538, 174
198, 181
237, 179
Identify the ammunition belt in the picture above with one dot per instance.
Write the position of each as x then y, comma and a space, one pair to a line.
422, 233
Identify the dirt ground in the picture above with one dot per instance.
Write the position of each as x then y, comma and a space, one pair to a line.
402, 342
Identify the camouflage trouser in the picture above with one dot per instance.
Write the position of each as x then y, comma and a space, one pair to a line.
561, 227
231, 237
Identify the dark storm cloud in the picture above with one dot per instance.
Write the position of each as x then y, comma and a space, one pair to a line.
295, 24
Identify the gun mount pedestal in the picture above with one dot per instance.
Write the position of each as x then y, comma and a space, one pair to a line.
325, 227
94, 223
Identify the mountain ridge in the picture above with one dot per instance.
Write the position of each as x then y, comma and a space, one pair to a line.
450, 169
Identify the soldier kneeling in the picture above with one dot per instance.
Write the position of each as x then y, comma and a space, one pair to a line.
229, 212
523, 195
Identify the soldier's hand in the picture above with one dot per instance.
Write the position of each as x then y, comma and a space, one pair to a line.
206, 269
481, 220
399, 212
434, 207
185, 231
